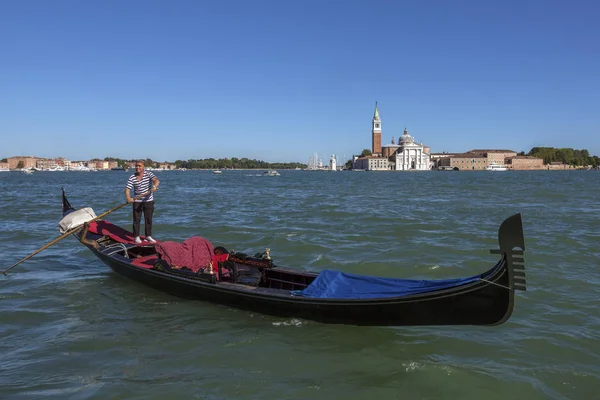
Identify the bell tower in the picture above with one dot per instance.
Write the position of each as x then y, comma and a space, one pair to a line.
376, 133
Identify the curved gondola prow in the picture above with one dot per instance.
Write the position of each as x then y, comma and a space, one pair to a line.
512, 246
66, 206
512, 249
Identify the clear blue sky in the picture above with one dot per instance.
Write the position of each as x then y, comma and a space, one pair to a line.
280, 80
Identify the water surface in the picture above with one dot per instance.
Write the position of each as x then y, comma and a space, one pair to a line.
72, 329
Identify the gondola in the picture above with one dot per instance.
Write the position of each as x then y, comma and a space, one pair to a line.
197, 269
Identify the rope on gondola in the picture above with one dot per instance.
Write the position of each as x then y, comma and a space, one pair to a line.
497, 284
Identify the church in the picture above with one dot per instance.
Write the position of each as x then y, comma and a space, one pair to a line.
407, 155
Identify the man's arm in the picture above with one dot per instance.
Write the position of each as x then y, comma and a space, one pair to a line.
128, 196
155, 183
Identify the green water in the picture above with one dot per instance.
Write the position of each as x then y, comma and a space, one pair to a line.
72, 329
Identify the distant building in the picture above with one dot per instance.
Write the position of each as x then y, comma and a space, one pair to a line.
407, 155
494, 156
28, 162
441, 159
473, 160
53, 164
372, 163
411, 155
99, 164
464, 161
525, 163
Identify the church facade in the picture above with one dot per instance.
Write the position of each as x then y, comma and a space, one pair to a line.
411, 155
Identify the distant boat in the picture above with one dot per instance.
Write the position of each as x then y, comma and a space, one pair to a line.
447, 168
217, 171
3, 169
117, 169
55, 168
79, 167
496, 167
314, 163
271, 173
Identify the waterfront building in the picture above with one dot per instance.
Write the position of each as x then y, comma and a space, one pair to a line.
480, 159
436, 160
525, 163
464, 161
53, 164
29, 162
494, 156
371, 163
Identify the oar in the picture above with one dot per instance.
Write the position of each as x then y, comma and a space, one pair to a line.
67, 233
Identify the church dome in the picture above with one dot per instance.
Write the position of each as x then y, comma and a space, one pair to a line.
406, 138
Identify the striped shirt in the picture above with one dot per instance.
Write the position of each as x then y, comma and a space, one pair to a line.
141, 186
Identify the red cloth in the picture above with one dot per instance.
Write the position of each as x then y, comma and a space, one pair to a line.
114, 232
194, 253
145, 262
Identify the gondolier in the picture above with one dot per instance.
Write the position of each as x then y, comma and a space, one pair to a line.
141, 182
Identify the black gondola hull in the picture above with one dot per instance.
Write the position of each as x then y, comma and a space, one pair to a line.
481, 303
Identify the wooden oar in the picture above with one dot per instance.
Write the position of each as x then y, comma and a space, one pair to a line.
67, 233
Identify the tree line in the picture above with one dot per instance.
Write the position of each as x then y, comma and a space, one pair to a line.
234, 163
207, 163
567, 156
212, 163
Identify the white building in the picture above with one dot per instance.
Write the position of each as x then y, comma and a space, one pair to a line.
371, 163
411, 155
333, 163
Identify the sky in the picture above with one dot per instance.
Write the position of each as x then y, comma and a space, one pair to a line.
281, 80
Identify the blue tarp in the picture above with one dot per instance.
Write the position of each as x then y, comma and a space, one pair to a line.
340, 285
